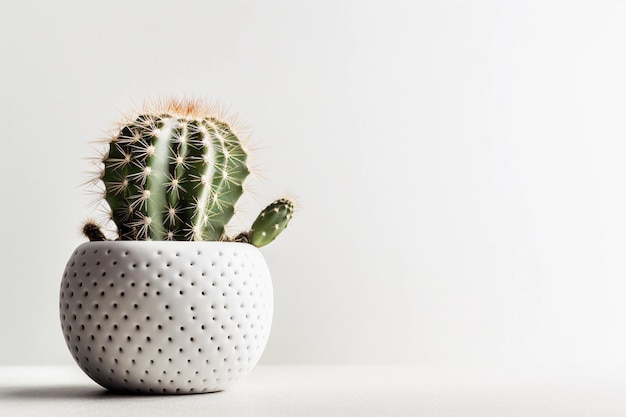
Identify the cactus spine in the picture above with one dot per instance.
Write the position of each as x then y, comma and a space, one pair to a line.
176, 174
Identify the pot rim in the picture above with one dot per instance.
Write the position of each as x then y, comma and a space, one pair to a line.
167, 242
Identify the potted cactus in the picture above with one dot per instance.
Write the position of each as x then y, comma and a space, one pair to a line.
172, 304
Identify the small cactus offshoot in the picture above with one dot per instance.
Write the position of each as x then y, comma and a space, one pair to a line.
176, 172
271, 222
92, 231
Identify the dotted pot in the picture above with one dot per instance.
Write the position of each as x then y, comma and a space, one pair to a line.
166, 317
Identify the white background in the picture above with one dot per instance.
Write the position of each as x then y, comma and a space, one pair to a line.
460, 166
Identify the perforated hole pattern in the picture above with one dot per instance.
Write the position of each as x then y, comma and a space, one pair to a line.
166, 317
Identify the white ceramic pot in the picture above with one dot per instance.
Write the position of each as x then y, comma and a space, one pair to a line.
166, 317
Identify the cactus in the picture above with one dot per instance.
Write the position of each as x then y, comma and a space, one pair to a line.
93, 232
176, 174
271, 222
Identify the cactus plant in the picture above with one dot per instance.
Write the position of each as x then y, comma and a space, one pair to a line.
271, 222
176, 173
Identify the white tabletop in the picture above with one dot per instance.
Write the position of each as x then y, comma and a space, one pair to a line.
300, 391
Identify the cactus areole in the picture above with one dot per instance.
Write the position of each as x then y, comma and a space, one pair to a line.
176, 172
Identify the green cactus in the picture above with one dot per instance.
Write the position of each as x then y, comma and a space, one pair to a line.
271, 222
176, 174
